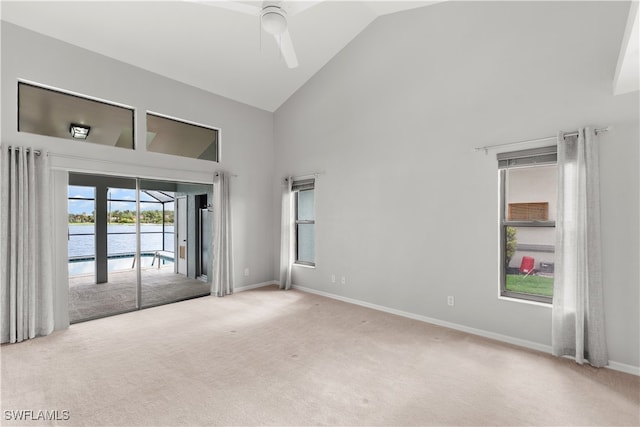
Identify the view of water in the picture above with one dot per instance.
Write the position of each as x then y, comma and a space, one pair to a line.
115, 264
82, 239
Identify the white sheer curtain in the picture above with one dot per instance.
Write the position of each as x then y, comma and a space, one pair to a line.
578, 318
286, 235
222, 283
26, 271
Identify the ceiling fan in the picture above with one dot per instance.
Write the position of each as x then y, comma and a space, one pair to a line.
274, 16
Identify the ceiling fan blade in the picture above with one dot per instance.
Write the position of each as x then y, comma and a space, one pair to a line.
286, 47
236, 6
293, 7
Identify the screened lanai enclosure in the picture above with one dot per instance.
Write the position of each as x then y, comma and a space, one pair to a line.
135, 243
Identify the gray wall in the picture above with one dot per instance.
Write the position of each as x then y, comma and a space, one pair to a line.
246, 140
407, 211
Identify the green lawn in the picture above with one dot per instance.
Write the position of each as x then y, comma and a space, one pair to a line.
536, 285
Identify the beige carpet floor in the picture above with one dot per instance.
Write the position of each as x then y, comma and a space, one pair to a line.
268, 357
159, 286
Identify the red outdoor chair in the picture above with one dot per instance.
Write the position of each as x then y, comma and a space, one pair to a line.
526, 266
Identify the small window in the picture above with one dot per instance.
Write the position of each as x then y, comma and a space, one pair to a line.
304, 193
62, 115
528, 189
171, 136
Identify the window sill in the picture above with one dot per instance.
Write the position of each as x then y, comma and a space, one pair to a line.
525, 301
295, 264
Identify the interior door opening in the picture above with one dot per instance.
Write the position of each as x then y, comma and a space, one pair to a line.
181, 241
204, 236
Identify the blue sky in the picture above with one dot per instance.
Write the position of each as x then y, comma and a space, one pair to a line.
88, 206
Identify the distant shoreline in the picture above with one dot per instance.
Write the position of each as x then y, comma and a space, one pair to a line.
121, 223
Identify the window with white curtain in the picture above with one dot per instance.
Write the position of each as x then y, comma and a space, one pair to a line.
305, 220
528, 193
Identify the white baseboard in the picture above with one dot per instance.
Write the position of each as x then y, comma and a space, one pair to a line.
616, 366
254, 286
623, 367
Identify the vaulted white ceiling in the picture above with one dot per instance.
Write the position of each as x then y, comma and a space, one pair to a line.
205, 43
209, 44
627, 78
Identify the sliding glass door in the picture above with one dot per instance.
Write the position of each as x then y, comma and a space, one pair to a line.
145, 243
81, 207
102, 246
171, 274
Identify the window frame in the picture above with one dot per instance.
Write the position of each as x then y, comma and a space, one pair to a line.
182, 122
76, 116
307, 186
544, 156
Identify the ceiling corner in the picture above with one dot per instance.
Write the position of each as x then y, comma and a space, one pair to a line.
627, 76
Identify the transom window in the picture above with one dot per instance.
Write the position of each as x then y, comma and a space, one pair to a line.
528, 189
59, 114
179, 138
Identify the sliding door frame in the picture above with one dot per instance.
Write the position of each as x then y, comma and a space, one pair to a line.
76, 178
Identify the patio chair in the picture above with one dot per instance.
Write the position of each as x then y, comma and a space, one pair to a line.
160, 256
526, 266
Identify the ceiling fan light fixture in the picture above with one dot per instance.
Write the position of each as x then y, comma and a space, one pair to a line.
274, 20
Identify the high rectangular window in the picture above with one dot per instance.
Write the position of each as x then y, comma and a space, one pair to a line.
179, 138
55, 113
305, 220
528, 193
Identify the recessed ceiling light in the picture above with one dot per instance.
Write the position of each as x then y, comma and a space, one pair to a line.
79, 131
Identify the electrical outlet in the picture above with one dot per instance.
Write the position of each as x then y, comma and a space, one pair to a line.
246, 271
333, 278
450, 300
343, 280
